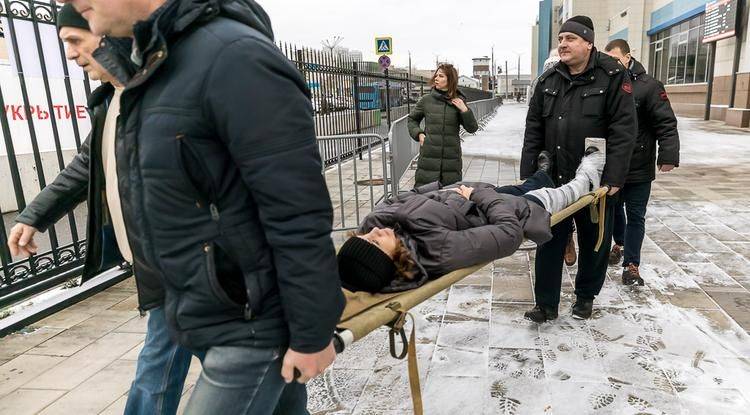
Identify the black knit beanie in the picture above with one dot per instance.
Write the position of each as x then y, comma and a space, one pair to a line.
67, 16
364, 267
580, 25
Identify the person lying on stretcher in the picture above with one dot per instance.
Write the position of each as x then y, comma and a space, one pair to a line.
433, 230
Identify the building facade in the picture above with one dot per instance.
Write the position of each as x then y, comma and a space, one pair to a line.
481, 71
469, 82
667, 37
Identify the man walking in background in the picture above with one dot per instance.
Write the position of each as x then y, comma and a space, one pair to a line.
656, 123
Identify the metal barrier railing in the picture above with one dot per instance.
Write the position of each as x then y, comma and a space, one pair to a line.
346, 176
404, 149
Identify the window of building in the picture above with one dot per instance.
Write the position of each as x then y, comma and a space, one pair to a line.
677, 54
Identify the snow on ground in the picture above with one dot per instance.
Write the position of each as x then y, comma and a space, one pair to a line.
675, 346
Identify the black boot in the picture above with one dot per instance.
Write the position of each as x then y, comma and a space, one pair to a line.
544, 161
540, 314
582, 309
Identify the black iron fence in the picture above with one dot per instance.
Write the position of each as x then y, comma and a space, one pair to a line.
38, 101
43, 121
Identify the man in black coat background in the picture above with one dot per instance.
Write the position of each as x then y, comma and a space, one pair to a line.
586, 94
656, 123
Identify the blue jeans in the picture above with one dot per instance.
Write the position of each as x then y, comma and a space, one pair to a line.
245, 380
629, 230
539, 180
160, 373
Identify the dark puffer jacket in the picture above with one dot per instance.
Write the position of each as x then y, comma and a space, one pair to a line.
446, 232
656, 123
440, 156
220, 180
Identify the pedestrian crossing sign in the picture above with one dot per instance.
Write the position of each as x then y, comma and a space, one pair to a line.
383, 45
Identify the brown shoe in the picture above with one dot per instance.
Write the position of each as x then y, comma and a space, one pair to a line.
631, 275
570, 252
615, 256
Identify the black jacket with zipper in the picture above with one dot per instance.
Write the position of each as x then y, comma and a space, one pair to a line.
565, 109
656, 123
220, 180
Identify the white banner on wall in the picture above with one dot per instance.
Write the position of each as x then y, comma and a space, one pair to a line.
40, 112
29, 54
38, 109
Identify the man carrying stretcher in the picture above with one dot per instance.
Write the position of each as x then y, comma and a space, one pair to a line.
431, 231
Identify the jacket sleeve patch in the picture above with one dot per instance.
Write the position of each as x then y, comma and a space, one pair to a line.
663, 96
627, 87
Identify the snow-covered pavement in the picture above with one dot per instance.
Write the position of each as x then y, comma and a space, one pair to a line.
675, 346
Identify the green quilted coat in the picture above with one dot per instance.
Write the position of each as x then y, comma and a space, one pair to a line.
440, 156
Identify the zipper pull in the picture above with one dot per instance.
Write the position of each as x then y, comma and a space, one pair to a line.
248, 312
214, 212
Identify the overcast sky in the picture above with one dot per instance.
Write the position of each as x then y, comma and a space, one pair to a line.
452, 30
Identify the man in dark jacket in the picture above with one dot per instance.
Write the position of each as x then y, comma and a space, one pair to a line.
214, 122
656, 123
586, 94
162, 363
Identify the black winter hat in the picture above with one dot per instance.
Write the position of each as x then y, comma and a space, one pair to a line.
364, 267
580, 25
67, 16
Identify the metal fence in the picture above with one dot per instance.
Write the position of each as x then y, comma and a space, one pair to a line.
356, 185
43, 120
35, 108
354, 97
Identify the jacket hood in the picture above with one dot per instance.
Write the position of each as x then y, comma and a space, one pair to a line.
636, 69
247, 12
176, 16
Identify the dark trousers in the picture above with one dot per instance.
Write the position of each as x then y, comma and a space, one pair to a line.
539, 180
592, 266
630, 220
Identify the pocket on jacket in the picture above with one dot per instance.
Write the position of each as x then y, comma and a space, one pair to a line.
549, 101
226, 281
593, 101
195, 173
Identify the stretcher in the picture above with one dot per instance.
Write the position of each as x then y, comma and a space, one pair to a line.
365, 312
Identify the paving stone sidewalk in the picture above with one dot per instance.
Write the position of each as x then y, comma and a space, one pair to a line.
679, 345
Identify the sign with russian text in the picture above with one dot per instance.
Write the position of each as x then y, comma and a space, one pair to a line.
721, 20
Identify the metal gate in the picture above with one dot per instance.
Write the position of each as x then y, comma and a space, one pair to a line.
43, 118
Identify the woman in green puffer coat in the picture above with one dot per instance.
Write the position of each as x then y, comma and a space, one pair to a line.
444, 110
